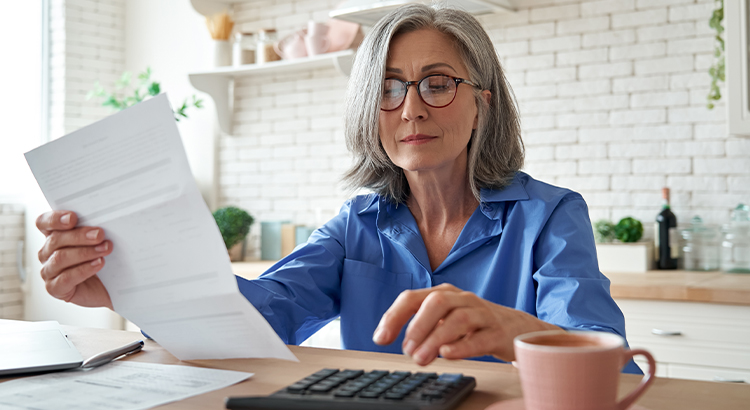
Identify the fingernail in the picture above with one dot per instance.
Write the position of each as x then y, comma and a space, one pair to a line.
96, 262
92, 234
65, 219
409, 347
101, 248
420, 356
379, 335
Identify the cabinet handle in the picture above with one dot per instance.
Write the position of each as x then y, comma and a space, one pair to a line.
661, 332
725, 380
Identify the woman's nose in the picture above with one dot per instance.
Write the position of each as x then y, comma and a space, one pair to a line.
413, 108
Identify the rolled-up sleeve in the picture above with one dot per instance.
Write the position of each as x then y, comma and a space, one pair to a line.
301, 293
571, 291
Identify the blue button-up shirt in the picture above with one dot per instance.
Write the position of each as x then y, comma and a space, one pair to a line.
529, 246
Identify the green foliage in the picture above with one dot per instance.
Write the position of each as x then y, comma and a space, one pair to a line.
629, 229
128, 93
234, 224
604, 231
717, 69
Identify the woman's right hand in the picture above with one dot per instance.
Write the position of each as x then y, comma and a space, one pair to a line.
71, 257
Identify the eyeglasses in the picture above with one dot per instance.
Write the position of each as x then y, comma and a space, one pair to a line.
437, 91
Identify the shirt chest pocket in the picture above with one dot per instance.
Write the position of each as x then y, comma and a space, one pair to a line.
368, 287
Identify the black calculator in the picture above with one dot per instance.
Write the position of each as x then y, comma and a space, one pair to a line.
334, 389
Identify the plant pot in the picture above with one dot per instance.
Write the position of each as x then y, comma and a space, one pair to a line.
636, 257
237, 252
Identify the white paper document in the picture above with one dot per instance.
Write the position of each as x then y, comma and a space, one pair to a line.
169, 272
117, 385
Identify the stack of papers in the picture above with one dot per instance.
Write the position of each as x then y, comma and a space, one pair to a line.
169, 272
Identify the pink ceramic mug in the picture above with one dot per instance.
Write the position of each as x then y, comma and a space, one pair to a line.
575, 370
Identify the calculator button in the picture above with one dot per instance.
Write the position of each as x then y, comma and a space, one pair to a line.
450, 377
321, 388
325, 372
368, 394
432, 394
345, 393
297, 387
394, 395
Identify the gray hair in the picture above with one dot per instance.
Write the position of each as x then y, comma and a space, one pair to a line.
496, 151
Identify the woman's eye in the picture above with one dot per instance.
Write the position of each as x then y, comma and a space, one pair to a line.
390, 92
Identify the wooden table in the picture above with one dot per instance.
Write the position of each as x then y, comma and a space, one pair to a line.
713, 287
494, 381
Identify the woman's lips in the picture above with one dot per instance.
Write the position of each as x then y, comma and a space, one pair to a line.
416, 139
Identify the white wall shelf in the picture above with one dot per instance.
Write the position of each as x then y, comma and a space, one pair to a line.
209, 7
219, 82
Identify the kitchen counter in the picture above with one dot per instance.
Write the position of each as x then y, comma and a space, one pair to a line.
685, 286
712, 287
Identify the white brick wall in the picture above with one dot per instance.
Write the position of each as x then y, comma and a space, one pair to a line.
611, 92
87, 45
11, 232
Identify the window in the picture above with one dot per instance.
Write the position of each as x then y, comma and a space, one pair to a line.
21, 74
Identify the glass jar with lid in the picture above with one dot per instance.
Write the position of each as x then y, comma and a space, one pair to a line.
264, 52
700, 246
735, 246
243, 48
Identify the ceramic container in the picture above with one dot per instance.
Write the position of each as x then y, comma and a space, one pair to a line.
563, 370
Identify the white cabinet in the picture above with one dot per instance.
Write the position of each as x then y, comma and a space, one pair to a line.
737, 21
700, 341
328, 337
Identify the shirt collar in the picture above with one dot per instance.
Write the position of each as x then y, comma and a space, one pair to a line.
516, 191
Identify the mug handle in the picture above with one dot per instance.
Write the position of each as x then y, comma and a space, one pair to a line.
277, 49
645, 382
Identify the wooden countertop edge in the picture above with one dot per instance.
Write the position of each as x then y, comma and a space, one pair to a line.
681, 294
681, 286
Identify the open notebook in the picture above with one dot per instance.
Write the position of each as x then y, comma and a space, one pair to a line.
35, 347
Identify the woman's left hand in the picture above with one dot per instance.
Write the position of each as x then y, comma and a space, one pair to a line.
454, 324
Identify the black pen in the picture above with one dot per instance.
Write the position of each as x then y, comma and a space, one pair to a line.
108, 356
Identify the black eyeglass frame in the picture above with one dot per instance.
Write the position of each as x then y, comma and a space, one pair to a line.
408, 83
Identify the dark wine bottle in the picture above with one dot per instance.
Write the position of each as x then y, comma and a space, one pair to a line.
666, 248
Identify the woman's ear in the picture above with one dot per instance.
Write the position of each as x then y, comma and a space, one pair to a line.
487, 95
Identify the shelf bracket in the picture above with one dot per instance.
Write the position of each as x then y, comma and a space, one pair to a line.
344, 64
219, 88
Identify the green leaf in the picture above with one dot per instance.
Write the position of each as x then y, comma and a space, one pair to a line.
629, 229
112, 102
154, 89
144, 76
124, 81
717, 69
604, 231
196, 102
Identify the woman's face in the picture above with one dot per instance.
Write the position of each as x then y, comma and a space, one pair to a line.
416, 136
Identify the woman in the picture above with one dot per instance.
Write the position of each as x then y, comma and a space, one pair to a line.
454, 237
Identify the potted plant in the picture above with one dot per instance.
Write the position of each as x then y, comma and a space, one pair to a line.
234, 224
618, 249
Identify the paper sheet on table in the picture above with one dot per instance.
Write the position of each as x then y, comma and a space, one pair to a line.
117, 385
169, 272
